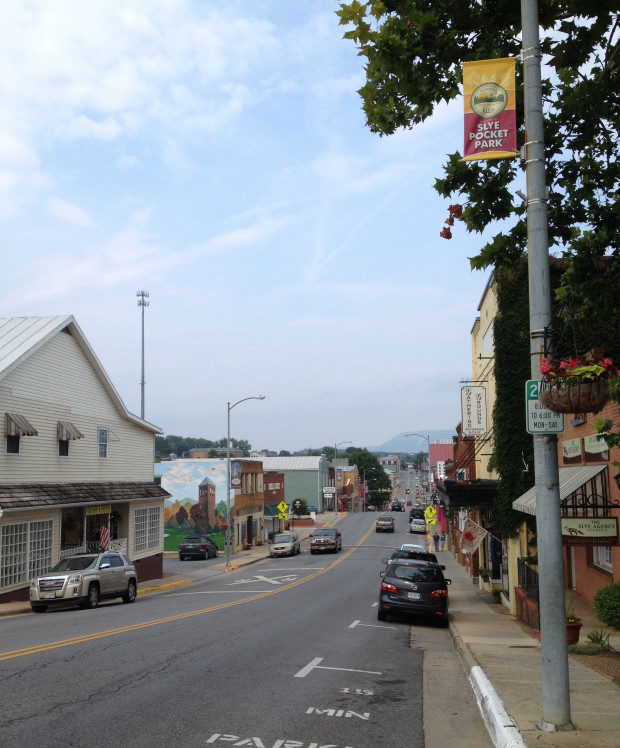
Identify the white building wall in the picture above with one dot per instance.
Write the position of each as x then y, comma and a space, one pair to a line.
57, 382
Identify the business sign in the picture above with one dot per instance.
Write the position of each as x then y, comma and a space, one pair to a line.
473, 411
539, 419
92, 510
490, 114
590, 531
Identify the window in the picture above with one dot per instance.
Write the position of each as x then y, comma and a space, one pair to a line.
602, 557
103, 443
63, 448
25, 551
12, 444
147, 528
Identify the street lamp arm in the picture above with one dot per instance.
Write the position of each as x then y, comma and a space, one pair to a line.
254, 397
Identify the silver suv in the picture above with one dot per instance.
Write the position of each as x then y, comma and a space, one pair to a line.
84, 580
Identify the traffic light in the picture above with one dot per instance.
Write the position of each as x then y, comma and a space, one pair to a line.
396, 490
417, 492
407, 490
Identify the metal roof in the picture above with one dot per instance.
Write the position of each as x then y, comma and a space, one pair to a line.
571, 479
20, 337
37, 495
304, 462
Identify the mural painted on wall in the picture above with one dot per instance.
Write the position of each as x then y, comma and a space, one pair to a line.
197, 491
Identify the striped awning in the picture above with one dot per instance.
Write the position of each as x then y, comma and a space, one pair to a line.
67, 431
16, 425
571, 480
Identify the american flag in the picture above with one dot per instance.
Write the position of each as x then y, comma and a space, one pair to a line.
104, 537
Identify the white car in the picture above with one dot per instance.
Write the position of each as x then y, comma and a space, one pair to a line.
412, 547
417, 525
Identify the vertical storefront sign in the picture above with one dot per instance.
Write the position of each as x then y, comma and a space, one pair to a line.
473, 411
490, 116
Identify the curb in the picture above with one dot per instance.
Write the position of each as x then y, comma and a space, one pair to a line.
502, 729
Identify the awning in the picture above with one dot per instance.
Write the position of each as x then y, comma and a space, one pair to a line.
466, 493
17, 425
571, 479
67, 431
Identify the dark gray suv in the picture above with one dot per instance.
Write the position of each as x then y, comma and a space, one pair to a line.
85, 580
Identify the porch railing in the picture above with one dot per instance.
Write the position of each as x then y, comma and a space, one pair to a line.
528, 579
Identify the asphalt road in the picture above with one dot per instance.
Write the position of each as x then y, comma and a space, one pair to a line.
286, 653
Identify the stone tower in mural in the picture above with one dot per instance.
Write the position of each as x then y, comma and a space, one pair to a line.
203, 513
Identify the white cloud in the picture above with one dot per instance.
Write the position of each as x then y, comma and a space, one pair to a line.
70, 213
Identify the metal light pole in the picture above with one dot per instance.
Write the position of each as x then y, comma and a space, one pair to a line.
335, 489
142, 301
428, 441
230, 407
554, 649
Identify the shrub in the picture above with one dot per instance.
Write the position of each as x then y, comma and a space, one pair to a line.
607, 605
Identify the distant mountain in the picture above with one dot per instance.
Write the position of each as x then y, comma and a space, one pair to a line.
412, 444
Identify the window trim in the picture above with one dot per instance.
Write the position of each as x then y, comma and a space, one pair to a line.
102, 444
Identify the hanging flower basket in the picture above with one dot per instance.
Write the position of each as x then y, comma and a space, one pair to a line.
579, 385
586, 397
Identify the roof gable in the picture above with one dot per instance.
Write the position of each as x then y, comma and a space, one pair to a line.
21, 337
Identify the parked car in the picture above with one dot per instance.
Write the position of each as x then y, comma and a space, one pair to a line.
311, 510
412, 555
197, 546
417, 525
326, 539
416, 588
284, 544
84, 580
385, 523
412, 547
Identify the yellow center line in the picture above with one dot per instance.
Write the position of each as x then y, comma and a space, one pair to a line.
138, 626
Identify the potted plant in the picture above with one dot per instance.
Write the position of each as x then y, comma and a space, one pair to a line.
578, 385
573, 624
483, 574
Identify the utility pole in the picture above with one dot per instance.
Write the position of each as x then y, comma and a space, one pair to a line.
142, 301
554, 649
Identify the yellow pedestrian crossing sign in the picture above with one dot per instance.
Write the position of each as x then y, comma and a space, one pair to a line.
282, 508
430, 512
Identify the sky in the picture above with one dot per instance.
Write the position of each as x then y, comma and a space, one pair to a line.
215, 154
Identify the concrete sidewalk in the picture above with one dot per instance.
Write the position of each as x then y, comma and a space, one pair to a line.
502, 660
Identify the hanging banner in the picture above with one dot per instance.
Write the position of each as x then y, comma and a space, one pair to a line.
473, 535
490, 115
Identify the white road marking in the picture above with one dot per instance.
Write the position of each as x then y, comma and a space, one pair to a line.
269, 580
314, 665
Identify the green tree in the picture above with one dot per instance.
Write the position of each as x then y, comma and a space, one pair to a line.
300, 507
370, 470
414, 50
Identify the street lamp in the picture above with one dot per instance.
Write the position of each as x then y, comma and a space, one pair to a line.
428, 440
230, 407
335, 489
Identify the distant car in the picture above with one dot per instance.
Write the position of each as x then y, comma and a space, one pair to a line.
397, 506
415, 588
284, 544
326, 539
412, 556
84, 580
417, 525
311, 509
412, 547
197, 546
385, 523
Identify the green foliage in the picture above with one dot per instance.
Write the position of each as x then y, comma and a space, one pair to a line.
300, 507
600, 639
414, 50
369, 469
171, 444
607, 605
512, 443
